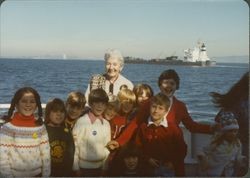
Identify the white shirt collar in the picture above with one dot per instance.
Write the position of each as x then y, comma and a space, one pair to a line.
164, 121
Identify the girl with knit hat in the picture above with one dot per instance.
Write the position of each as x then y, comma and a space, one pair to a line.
223, 155
24, 144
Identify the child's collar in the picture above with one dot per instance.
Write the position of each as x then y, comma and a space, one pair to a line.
93, 118
164, 122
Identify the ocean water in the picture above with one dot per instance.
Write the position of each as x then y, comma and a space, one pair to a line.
56, 78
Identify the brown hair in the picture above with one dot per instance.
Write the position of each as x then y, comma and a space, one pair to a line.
161, 99
76, 99
55, 104
98, 95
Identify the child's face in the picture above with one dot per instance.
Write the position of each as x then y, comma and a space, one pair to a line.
168, 87
27, 104
109, 113
231, 135
56, 117
131, 162
127, 106
74, 112
142, 97
98, 108
157, 112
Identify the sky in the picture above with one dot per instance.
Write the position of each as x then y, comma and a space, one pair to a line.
85, 29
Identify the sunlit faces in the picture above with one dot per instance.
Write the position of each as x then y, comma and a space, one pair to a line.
27, 104
113, 67
127, 106
157, 112
131, 162
168, 87
109, 113
142, 97
56, 117
74, 112
98, 108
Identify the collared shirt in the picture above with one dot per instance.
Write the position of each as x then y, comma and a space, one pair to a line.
164, 122
93, 118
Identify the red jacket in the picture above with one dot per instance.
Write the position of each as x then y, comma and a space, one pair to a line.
178, 113
165, 144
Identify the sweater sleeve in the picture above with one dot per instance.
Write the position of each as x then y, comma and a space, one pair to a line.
141, 115
77, 135
45, 153
190, 124
5, 147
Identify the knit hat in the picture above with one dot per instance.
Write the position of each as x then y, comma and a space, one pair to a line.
228, 121
97, 81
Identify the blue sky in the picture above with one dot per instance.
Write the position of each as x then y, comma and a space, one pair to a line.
140, 28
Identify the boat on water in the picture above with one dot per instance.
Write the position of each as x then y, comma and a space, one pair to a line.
192, 57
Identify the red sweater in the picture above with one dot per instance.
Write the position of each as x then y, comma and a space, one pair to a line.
117, 124
163, 144
178, 113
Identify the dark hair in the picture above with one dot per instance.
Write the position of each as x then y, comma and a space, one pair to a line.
76, 99
139, 88
169, 74
98, 95
239, 91
54, 105
18, 95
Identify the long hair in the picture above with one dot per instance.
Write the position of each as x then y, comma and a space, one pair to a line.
239, 91
18, 95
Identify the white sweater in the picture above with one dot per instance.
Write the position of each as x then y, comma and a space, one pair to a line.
90, 143
24, 151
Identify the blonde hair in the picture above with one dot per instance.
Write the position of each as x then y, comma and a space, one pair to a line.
113, 104
116, 54
76, 98
139, 88
126, 95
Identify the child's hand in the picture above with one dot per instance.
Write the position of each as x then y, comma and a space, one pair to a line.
154, 162
112, 145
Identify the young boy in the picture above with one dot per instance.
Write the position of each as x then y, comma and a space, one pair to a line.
75, 107
91, 135
162, 144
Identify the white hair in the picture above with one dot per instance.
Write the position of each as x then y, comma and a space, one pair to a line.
114, 53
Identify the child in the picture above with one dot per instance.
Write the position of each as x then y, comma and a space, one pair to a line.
61, 141
112, 109
75, 108
161, 143
91, 135
24, 144
128, 162
223, 154
142, 92
127, 101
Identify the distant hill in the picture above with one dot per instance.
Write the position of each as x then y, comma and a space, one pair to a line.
232, 59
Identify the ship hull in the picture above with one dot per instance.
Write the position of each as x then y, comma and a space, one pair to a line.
174, 62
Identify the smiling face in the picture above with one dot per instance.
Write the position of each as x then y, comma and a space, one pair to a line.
27, 104
157, 112
131, 162
168, 87
98, 108
74, 112
113, 67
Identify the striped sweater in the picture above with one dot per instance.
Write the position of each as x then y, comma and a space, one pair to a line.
24, 151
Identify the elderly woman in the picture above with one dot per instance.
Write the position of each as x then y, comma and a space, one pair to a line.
113, 79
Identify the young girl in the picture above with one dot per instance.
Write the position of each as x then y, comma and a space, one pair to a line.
91, 135
223, 154
24, 144
75, 106
61, 141
127, 100
142, 92
112, 109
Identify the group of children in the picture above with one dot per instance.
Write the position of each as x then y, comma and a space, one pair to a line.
72, 139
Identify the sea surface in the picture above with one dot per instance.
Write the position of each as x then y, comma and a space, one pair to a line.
56, 78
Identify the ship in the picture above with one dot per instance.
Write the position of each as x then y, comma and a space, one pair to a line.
192, 57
